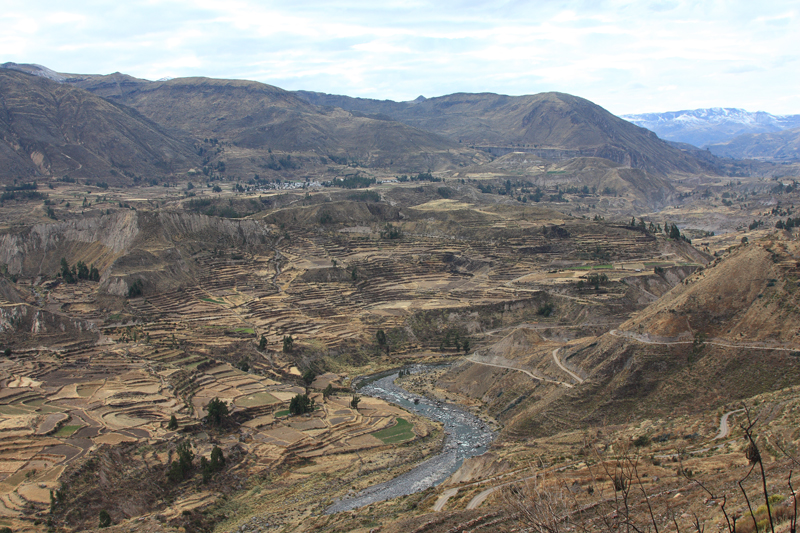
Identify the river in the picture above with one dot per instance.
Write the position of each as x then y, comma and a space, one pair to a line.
465, 436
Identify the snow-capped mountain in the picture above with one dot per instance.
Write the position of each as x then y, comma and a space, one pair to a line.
701, 127
36, 70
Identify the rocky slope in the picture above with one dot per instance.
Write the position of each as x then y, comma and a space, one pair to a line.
779, 147
260, 118
127, 246
50, 129
725, 333
553, 125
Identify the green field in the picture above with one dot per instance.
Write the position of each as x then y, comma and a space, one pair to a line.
283, 412
213, 301
66, 431
400, 432
256, 400
592, 267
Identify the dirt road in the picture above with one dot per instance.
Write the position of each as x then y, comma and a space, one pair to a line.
565, 369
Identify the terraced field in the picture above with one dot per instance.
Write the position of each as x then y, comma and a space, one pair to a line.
92, 372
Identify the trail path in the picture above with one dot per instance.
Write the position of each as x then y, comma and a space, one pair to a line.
724, 427
475, 502
565, 369
446, 495
472, 359
645, 340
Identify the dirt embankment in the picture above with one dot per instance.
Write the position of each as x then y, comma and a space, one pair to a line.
128, 245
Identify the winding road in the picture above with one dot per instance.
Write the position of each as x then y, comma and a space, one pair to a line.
565, 369
724, 427
510, 367
640, 338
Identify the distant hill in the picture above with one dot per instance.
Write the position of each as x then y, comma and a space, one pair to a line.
781, 146
701, 127
257, 117
53, 129
550, 125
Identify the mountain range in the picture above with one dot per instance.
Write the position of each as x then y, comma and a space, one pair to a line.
83, 125
711, 126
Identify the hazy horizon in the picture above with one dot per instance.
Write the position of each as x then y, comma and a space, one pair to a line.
629, 58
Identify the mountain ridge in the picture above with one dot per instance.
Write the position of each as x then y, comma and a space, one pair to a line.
706, 126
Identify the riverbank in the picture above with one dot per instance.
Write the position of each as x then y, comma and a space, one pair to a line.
466, 435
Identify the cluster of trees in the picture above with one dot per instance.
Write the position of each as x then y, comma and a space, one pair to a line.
422, 176
136, 289
217, 412
183, 467
595, 280
281, 163
209, 467
301, 404
288, 344
545, 310
674, 233
789, 224
383, 341
79, 271
391, 232
453, 338
352, 182
24, 191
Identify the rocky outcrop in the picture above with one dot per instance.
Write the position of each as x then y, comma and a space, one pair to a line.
128, 245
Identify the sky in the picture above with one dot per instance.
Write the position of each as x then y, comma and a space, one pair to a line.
627, 56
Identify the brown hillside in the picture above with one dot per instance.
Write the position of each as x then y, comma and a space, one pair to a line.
749, 296
257, 117
775, 146
53, 129
517, 345
726, 333
554, 125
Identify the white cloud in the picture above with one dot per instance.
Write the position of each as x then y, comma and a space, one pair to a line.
615, 52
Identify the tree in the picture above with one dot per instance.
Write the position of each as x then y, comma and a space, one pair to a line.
301, 404
674, 232
217, 411
66, 273
465, 345
83, 270
383, 341
173, 423
180, 469
327, 392
262, 344
217, 459
105, 518
288, 343
308, 377
135, 289
354, 401
216, 463
596, 280
380, 336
